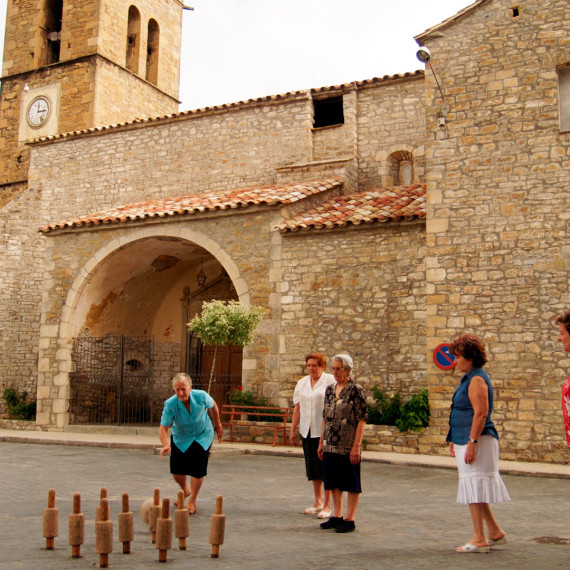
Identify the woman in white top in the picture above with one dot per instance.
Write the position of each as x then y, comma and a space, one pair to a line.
308, 400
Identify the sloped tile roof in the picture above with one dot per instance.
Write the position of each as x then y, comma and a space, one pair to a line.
194, 204
381, 205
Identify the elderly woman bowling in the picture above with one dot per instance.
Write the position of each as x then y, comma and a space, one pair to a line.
344, 417
473, 440
192, 435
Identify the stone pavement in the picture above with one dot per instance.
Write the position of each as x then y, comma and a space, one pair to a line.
407, 516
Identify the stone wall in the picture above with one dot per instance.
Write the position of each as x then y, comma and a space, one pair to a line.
111, 106
498, 249
361, 291
21, 277
391, 119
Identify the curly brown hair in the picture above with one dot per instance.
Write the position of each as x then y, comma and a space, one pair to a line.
471, 347
319, 357
564, 319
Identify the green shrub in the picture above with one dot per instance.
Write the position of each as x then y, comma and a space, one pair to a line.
389, 410
18, 406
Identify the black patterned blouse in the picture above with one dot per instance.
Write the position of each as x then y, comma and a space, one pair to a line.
342, 414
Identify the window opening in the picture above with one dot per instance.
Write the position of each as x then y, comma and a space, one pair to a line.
133, 39
152, 52
328, 112
516, 11
52, 30
400, 169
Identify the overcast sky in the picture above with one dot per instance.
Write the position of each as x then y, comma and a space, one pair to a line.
233, 50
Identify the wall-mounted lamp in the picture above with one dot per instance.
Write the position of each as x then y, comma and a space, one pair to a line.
424, 55
201, 277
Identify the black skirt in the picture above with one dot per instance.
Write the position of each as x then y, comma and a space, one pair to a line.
193, 462
341, 474
313, 465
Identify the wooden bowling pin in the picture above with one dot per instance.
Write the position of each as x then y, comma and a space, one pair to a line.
181, 522
76, 527
51, 515
217, 528
154, 514
126, 524
98, 509
104, 535
164, 531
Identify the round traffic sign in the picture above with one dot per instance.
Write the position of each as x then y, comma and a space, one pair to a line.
442, 357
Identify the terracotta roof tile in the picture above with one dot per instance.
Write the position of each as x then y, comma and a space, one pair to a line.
197, 203
380, 205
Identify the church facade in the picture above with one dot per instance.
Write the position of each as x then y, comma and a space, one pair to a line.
381, 217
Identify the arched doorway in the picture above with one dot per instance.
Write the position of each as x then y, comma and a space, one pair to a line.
134, 295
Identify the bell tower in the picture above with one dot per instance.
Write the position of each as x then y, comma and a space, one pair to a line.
71, 65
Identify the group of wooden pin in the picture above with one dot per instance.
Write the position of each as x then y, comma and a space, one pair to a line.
157, 514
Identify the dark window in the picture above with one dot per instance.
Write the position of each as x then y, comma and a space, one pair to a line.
133, 39
516, 12
328, 112
52, 29
153, 40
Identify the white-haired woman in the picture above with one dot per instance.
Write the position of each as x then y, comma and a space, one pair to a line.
344, 417
192, 435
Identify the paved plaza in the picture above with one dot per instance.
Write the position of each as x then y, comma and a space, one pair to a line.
407, 516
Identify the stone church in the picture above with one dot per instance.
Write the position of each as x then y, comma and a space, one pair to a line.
380, 217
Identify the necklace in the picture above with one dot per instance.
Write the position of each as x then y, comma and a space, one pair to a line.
337, 396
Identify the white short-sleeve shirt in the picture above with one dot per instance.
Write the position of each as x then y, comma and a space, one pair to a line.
311, 402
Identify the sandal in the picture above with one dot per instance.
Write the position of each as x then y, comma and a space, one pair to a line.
312, 510
324, 514
471, 548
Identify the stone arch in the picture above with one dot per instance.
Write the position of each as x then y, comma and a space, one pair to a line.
403, 166
67, 328
210, 245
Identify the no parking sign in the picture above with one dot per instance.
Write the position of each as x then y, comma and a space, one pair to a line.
442, 357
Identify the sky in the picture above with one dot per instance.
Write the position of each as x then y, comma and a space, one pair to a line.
234, 50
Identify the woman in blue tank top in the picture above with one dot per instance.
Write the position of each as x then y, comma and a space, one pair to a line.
474, 443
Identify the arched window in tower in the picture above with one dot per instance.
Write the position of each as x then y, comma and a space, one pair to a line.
400, 167
152, 52
133, 39
51, 29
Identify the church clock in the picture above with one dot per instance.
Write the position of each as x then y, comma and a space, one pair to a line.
38, 111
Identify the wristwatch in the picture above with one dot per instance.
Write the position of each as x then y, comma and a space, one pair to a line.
471, 440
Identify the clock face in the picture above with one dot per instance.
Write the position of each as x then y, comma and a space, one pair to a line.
38, 111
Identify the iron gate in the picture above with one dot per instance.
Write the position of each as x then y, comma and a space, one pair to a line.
112, 380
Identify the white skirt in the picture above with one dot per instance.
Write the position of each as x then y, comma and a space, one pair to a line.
480, 481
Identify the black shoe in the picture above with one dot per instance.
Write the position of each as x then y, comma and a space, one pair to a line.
333, 522
345, 526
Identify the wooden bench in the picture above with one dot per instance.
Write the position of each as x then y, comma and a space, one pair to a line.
231, 416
